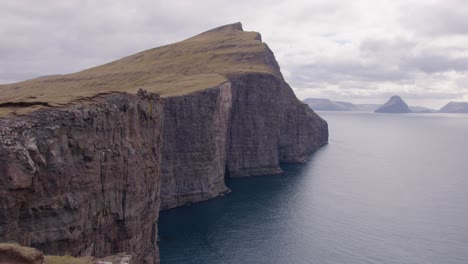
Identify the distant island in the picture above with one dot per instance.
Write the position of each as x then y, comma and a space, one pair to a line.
395, 105
455, 107
322, 104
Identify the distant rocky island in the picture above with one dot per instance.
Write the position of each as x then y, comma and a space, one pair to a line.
87, 160
455, 107
393, 106
321, 104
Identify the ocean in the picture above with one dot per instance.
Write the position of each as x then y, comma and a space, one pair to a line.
388, 188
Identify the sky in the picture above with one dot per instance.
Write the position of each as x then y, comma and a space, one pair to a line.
360, 51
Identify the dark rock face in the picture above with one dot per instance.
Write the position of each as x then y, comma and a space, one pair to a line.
269, 125
455, 107
302, 133
83, 180
394, 105
255, 126
243, 128
194, 146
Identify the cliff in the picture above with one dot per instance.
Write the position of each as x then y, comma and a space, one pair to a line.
394, 106
194, 146
87, 160
455, 107
83, 179
245, 126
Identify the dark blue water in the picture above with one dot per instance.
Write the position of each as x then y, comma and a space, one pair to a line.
386, 189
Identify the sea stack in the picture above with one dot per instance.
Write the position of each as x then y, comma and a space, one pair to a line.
455, 107
395, 105
88, 159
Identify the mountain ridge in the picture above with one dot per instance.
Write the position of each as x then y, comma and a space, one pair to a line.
322, 104
455, 107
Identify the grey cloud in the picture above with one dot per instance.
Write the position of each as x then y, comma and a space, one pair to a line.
353, 56
448, 17
377, 61
411, 56
388, 47
436, 63
337, 71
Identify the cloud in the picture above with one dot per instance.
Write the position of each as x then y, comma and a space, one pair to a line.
435, 18
348, 50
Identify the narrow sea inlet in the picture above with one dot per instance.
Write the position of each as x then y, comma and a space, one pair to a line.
386, 189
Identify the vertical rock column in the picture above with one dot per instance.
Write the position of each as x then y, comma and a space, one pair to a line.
255, 123
195, 137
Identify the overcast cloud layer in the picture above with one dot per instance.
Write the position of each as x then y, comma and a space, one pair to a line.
358, 51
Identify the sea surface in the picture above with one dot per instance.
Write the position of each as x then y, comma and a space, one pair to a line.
386, 189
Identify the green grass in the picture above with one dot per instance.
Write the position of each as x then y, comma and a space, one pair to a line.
198, 63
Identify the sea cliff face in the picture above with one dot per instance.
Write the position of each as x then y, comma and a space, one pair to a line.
243, 128
268, 126
90, 176
83, 180
194, 146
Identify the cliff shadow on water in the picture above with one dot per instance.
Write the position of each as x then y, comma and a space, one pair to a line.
250, 213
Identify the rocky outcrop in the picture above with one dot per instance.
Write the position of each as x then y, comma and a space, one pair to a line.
86, 174
16, 254
455, 107
11, 253
395, 105
83, 179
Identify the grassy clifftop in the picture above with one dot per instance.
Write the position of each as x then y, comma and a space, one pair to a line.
201, 62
